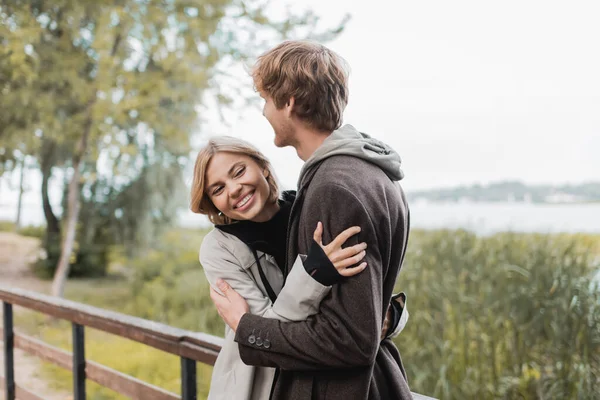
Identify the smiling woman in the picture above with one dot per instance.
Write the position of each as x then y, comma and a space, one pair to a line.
238, 187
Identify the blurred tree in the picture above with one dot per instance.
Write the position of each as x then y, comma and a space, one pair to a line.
21, 188
109, 92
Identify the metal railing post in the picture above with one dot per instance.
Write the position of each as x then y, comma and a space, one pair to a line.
78, 362
188, 379
9, 357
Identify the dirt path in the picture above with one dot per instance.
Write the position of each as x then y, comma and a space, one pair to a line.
16, 252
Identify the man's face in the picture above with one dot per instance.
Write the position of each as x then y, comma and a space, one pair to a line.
281, 121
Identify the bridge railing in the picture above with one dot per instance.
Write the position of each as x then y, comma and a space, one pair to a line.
190, 346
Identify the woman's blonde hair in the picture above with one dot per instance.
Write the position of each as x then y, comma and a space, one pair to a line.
201, 203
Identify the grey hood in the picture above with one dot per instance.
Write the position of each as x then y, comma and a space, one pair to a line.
348, 141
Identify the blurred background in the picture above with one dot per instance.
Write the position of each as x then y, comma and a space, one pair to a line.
493, 107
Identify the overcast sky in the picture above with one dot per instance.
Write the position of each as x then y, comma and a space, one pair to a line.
466, 91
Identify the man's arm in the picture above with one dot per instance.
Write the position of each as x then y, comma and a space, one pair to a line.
346, 331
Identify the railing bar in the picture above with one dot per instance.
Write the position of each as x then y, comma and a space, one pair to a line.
125, 384
9, 355
105, 376
188, 379
108, 321
78, 362
190, 345
43, 351
172, 340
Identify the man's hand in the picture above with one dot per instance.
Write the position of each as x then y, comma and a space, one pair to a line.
231, 306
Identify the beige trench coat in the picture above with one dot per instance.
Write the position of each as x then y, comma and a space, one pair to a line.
225, 256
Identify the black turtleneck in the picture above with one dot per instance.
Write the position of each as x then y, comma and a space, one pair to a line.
269, 237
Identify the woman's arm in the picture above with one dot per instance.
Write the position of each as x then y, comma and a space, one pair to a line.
302, 293
300, 296
298, 299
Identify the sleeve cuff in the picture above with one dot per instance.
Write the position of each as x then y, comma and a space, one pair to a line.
318, 265
400, 315
243, 330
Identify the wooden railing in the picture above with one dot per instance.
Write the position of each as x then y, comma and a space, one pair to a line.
189, 346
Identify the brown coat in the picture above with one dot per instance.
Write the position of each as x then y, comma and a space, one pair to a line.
337, 354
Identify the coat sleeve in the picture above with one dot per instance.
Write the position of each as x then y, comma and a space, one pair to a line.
402, 314
298, 299
345, 333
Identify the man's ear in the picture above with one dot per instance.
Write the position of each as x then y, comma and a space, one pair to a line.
289, 107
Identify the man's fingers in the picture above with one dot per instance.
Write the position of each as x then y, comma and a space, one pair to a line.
318, 235
223, 286
347, 272
228, 292
217, 299
345, 235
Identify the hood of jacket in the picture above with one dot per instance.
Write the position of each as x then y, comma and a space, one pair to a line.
348, 141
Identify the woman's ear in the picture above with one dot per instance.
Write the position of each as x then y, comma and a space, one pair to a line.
266, 172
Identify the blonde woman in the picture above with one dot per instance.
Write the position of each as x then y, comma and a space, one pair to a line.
235, 187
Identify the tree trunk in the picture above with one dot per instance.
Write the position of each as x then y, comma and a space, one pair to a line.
73, 207
21, 191
52, 223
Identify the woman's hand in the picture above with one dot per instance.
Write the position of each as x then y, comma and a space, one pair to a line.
341, 258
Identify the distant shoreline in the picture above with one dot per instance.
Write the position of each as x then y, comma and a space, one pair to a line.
423, 200
512, 192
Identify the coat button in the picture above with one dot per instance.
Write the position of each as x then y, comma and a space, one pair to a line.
251, 339
267, 343
259, 341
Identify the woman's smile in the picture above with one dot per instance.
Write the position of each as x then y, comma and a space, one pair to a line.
245, 203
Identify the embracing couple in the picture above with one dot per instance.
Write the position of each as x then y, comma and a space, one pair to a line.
304, 280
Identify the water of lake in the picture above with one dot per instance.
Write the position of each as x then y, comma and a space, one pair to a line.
488, 218
482, 218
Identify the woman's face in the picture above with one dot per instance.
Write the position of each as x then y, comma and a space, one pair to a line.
238, 187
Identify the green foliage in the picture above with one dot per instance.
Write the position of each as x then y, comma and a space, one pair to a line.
511, 316
131, 77
88, 260
168, 283
7, 226
32, 231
